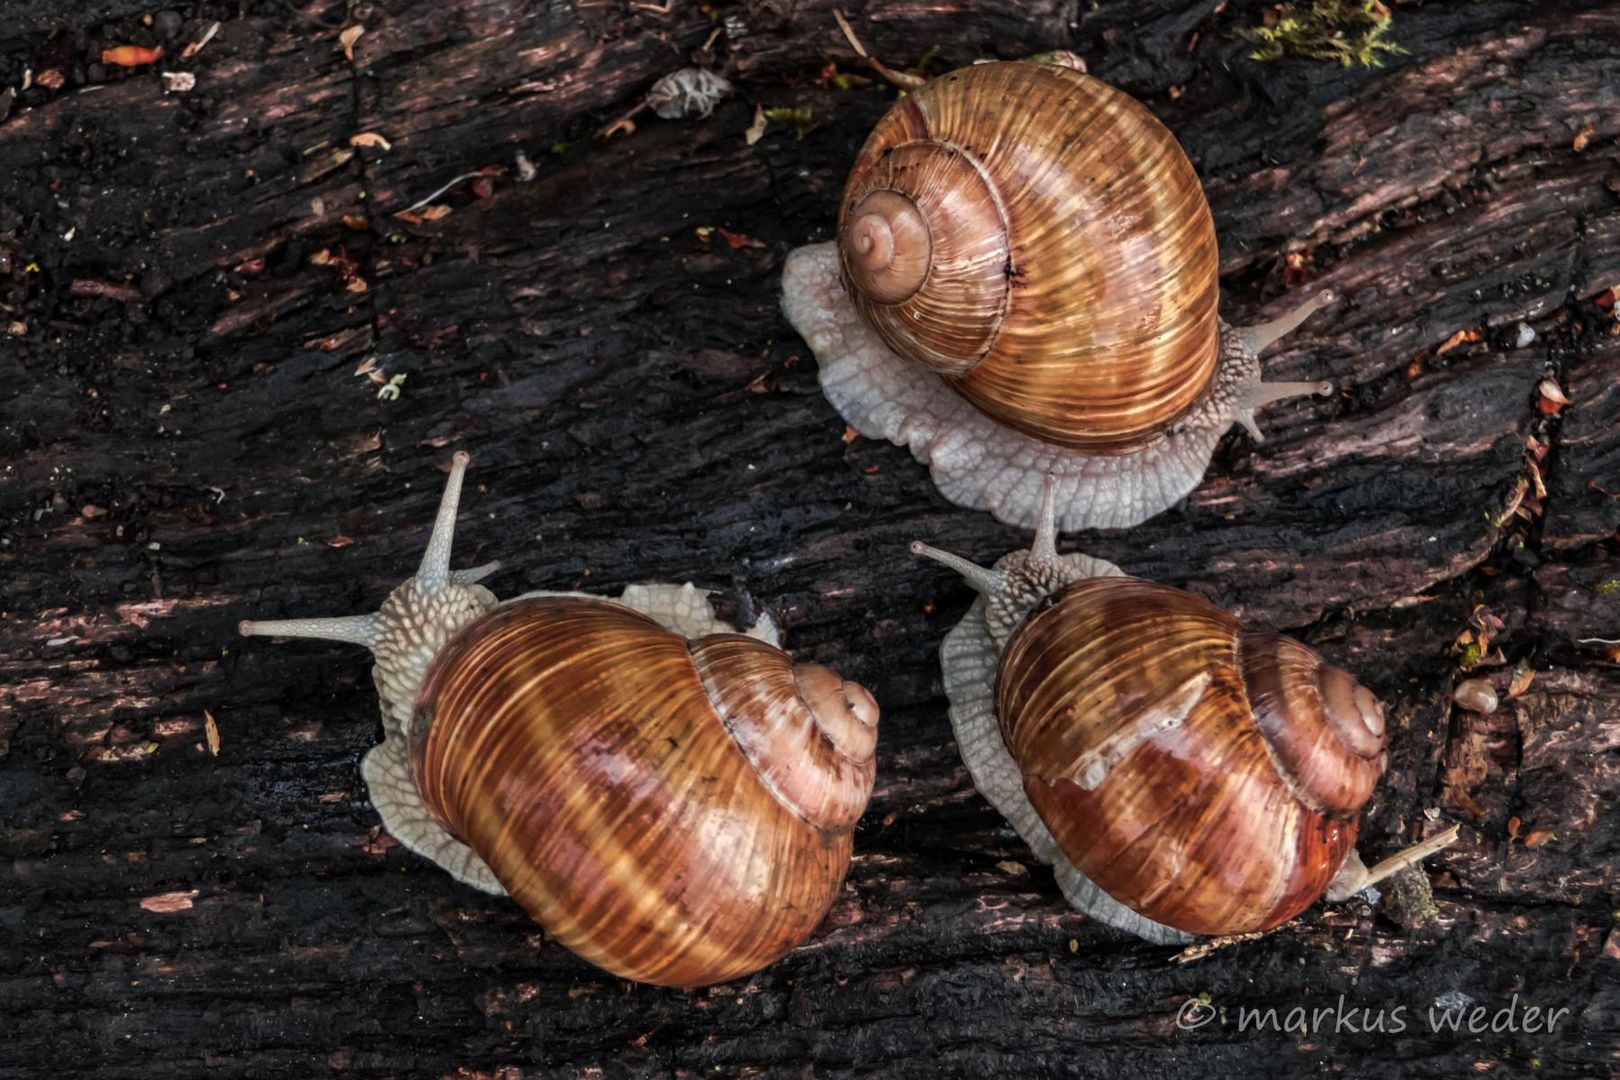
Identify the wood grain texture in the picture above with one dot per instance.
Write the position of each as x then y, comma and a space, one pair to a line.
171, 464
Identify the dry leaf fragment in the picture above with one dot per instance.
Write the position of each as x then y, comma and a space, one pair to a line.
435, 212
756, 130
1520, 486
131, 55
1553, 398
50, 79
179, 82
1583, 136
1537, 837
346, 40
1523, 676
379, 842
196, 46
1536, 481
1461, 337
739, 240
850, 434
211, 732
170, 902
370, 138
340, 542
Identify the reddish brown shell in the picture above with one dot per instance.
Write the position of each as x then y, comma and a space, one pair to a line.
1205, 774
1040, 239
573, 745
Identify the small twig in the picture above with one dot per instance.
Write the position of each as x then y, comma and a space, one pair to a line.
197, 46
1200, 949
624, 124
415, 206
903, 79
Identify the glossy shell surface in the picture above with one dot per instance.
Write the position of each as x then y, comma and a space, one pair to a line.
1206, 774
573, 744
1070, 286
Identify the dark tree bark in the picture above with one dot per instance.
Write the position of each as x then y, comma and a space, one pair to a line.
188, 282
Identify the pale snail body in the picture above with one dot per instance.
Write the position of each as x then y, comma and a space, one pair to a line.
672, 801
1025, 283
1184, 773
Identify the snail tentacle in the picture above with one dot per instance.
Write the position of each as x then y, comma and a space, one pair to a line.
434, 573
404, 635
981, 580
1021, 579
1239, 388
353, 629
473, 575
1257, 337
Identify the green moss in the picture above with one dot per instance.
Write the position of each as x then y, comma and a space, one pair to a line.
801, 119
1609, 588
1349, 31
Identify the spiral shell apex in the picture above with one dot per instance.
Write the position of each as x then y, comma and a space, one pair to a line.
1152, 728
591, 757
1040, 239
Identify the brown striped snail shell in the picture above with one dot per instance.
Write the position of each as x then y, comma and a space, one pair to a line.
671, 801
1024, 283
1184, 772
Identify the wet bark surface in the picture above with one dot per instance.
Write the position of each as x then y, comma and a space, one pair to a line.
189, 282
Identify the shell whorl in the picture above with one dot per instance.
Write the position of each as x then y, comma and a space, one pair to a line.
573, 743
1070, 288
1205, 774
889, 249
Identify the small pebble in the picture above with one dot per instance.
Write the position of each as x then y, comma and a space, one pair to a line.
1476, 695
1526, 336
167, 24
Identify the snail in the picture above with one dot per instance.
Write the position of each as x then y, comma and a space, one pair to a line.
1184, 773
1024, 282
672, 801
